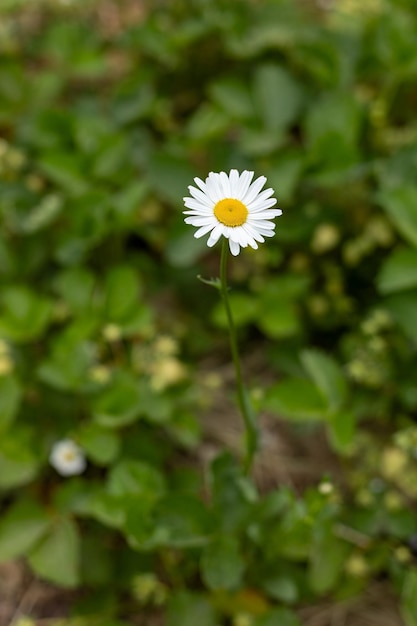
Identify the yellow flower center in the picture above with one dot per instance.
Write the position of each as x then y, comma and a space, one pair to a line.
231, 212
69, 456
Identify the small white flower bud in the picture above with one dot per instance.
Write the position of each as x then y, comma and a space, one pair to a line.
67, 458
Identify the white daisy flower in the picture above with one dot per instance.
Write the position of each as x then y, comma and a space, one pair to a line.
233, 206
67, 458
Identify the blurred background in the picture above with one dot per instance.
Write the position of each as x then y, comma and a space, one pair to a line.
108, 110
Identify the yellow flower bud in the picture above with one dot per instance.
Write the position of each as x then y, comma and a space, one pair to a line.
356, 566
393, 462
112, 332
325, 238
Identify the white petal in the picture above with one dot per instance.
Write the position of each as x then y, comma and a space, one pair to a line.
269, 213
260, 205
215, 235
253, 190
262, 215
266, 193
265, 232
244, 182
225, 184
200, 221
237, 234
262, 224
250, 239
234, 183
214, 187
192, 220
190, 203
196, 213
203, 231
199, 195
261, 198
211, 191
234, 247
240, 236
253, 231
201, 184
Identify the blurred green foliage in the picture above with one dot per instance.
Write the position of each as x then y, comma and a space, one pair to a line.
107, 112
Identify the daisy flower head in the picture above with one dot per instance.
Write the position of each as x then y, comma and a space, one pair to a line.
67, 458
233, 206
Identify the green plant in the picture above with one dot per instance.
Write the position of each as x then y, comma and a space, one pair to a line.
105, 118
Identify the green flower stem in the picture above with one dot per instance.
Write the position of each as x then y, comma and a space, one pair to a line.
242, 395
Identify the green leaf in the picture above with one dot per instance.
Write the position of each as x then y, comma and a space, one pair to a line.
341, 430
277, 315
18, 462
280, 321
108, 509
222, 565
185, 428
68, 366
20, 528
182, 250
111, 158
334, 115
97, 567
281, 586
296, 398
122, 291
185, 609
119, 404
403, 309
101, 444
401, 524
258, 142
10, 396
400, 204
125, 202
291, 538
26, 314
277, 96
170, 175
332, 132
398, 271
14, 473
207, 122
88, 223
283, 174
327, 375
182, 521
409, 598
327, 557
96, 562
65, 170
76, 287
139, 526
76, 495
288, 286
233, 494
135, 105
136, 478
233, 96
278, 617
244, 309
57, 557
